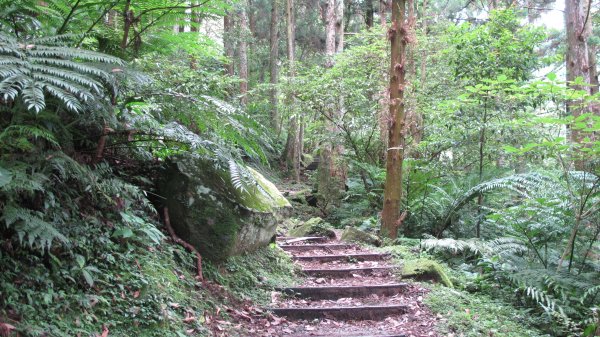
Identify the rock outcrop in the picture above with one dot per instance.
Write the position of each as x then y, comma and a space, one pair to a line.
209, 212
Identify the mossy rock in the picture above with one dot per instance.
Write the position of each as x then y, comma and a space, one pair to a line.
218, 219
313, 226
426, 270
352, 234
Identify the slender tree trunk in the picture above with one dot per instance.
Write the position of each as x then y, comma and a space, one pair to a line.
391, 216
127, 23
578, 30
196, 19
383, 9
332, 173
293, 148
274, 68
339, 25
424, 50
243, 52
228, 43
369, 13
330, 33
251, 18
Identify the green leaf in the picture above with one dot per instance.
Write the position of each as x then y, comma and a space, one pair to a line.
80, 260
5, 177
88, 277
123, 233
551, 76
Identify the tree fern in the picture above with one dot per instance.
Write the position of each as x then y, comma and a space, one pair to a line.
29, 70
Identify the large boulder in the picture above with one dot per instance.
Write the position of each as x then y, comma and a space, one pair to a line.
313, 226
426, 270
209, 212
351, 234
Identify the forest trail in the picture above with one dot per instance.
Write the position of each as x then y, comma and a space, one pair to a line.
347, 291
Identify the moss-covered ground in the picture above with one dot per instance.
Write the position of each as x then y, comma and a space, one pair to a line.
462, 314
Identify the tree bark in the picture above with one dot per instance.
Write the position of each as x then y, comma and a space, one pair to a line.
391, 218
339, 25
196, 19
578, 31
127, 23
383, 9
332, 173
424, 52
293, 147
243, 52
369, 13
330, 33
228, 43
274, 68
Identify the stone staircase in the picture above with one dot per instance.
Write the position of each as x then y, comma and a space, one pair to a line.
348, 290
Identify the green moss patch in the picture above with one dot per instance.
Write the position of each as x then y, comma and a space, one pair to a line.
351, 234
426, 270
471, 315
313, 226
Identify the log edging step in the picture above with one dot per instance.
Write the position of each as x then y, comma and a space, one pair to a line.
317, 246
287, 240
336, 292
358, 257
346, 272
342, 313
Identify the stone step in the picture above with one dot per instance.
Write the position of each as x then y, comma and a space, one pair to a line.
325, 246
344, 257
342, 313
287, 240
337, 292
347, 272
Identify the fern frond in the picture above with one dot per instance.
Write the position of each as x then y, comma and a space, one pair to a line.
34, 96
30, 226
236, 176
27, 66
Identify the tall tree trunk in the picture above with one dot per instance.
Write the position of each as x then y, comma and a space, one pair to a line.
243, 52
293, 147
127, 23
424, 52
390, 215
274, 69
383, 9
369, 13
339, 25
196, 18
578, 29
330, 33
332, 174
228, 43
251, 18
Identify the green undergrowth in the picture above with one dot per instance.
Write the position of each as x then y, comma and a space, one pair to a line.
463, 313
137, 291
474, 315
254, 275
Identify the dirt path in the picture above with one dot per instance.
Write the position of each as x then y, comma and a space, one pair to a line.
348, 291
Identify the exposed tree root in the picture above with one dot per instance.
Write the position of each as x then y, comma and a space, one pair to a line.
184, 244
